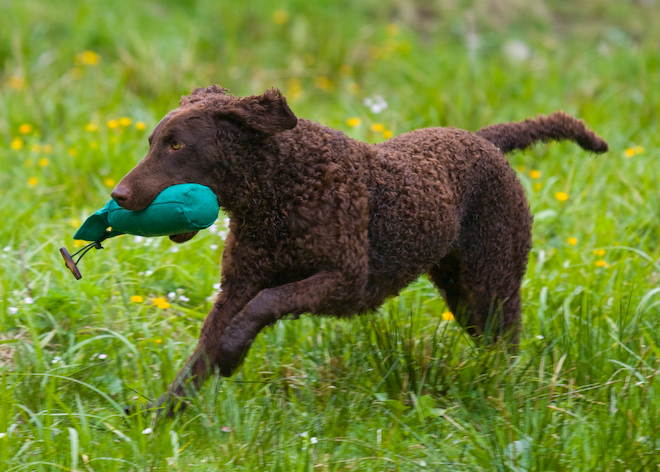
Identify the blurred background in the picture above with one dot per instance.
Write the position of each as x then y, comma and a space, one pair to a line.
83, 82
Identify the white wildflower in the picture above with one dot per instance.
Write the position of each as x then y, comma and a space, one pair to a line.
57, 360
517, 51
148, 272
171, 295
147, 431
313, 440
12, 310
2, 435
174, 249
304, 434
214, 247
103, 356
6, 249
183, 298
28, 300
539, 337
138, 239
213, 228
222, 234
376, 104
216, 286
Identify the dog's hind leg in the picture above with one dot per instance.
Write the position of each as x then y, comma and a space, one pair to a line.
446, 275
485, 307
481, 279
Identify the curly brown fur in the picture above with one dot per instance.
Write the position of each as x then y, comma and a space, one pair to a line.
324, 224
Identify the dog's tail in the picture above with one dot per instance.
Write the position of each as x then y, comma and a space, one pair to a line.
556, 127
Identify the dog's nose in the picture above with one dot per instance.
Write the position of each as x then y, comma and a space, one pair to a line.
121, 194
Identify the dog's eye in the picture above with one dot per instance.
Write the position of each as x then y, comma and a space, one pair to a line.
176, 145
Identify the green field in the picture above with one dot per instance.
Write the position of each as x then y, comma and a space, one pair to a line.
83, 82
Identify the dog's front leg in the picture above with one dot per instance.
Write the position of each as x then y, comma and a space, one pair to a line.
319, 293
198, 366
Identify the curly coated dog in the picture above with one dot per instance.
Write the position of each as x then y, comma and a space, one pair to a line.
324, 224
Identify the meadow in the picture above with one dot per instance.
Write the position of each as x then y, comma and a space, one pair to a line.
83, 82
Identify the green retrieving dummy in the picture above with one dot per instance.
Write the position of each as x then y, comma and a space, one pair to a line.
177, 209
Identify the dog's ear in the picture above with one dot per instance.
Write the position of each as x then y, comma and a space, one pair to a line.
267, 113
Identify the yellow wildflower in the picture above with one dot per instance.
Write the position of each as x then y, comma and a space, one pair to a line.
602, 263
447, 316
280, 17
535, 174
137, 299
124, 121
91, 127
630, 152
17, 82
112, 124
323, 83
43, 162
561, 196
599, 252
161, 303
73, 152
87, 58
572, 241
17, 144
377, 128
109, 182
387, 134
140, 125
35, 148
158, 341
33, 181
75, 222
78, 243
25, 128
353, 122
294, 88
353, 88
639, 149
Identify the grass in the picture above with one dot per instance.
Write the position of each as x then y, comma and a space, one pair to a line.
402, 389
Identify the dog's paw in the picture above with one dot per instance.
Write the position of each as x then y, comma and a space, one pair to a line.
183, 237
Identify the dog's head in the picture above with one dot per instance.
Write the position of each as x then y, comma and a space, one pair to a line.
201, 141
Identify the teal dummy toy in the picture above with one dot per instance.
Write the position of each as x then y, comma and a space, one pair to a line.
177, 209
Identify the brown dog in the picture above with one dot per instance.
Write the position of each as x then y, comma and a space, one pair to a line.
324, 224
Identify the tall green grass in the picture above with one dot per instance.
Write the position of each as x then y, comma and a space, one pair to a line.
402, 389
